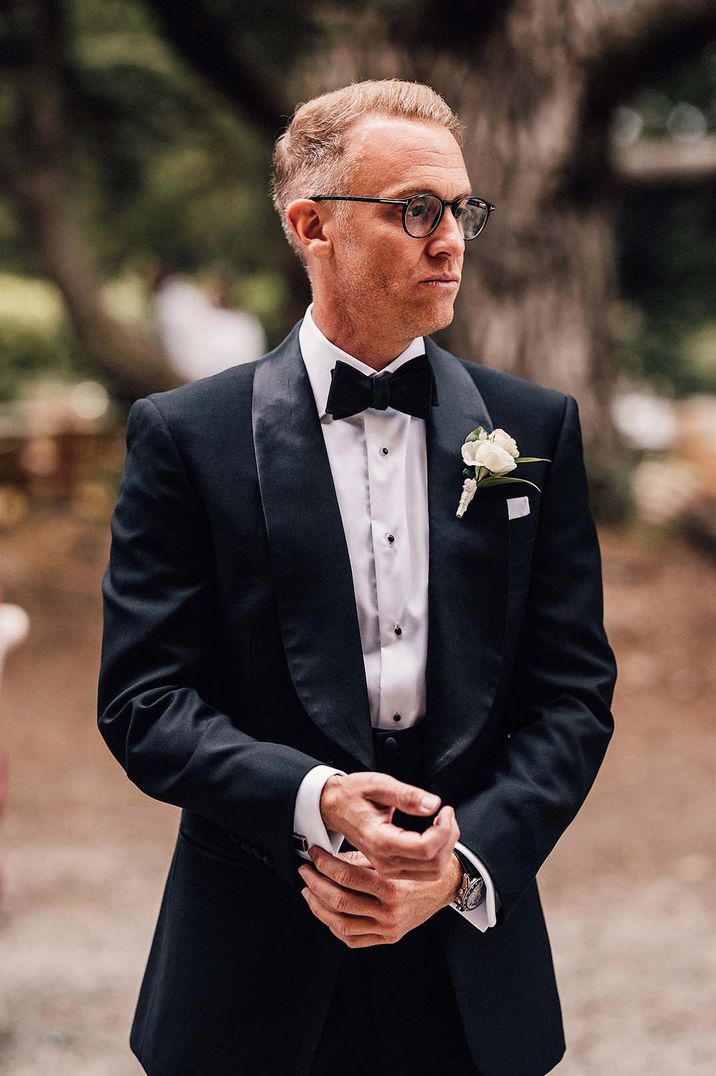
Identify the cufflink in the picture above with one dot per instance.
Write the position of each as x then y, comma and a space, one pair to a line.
300, 843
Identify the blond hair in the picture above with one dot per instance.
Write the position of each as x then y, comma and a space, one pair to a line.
310, 156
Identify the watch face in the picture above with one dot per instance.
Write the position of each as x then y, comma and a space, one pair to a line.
475, 894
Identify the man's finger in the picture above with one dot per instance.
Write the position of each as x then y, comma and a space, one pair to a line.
340, 898
343, 872
394, 842
409, 799
337, 921
356, 857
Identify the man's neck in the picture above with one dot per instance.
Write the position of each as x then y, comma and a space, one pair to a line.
363, 342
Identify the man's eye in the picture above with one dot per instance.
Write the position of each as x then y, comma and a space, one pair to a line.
417, 210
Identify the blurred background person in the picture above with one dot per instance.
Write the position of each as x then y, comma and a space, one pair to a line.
200, 332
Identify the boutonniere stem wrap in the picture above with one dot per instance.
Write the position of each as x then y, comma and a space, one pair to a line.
489, 458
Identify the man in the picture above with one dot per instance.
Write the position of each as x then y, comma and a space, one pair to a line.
311, 654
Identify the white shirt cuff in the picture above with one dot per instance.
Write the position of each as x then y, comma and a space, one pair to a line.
307, 820
484, 916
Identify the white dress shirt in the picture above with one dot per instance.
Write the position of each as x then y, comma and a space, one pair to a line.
378, 460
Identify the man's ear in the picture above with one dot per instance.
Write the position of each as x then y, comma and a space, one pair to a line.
307, 221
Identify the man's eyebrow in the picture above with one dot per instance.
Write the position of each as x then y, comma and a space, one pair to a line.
406, 192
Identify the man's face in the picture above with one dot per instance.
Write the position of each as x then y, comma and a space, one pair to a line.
377, 267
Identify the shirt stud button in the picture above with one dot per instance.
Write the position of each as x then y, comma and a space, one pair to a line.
385, 451
391, 538
398, 630
396, 717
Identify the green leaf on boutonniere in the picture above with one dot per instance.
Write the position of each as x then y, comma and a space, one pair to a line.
504, 481
474, 435
532, 459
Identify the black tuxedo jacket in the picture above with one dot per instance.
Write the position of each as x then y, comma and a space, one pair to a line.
232, 664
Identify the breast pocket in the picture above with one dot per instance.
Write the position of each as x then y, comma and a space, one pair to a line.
522, 519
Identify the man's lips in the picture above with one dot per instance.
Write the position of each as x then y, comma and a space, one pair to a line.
441, 280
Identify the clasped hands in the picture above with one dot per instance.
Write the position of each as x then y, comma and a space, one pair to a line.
397, 878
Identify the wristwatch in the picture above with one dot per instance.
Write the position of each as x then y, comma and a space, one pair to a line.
471, 893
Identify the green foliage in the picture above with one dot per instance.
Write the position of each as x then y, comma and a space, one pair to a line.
175, 176
666, 333
35, 338
28, 354
162, 171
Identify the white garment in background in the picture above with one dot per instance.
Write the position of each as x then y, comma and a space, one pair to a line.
199, 338
380, 493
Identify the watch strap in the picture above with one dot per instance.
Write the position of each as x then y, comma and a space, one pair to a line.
467, 865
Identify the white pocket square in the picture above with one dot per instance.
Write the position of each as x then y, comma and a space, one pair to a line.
518, 506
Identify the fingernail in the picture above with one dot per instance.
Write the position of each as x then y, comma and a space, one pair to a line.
429, 803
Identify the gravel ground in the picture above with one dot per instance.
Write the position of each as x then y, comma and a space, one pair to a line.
628, 892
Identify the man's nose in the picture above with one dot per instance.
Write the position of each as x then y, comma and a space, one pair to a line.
447, 237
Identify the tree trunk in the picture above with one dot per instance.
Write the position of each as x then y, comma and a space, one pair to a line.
134, 361
529, 84
538, 282
37, 181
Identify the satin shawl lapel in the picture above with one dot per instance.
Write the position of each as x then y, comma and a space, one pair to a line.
468, 573
468, 562
309, 555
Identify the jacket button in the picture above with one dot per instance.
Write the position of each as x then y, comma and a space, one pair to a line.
391, 744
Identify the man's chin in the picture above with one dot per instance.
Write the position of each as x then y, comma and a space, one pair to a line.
433, 320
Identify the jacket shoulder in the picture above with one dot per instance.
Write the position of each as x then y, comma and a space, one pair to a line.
499, 388
207, 395
529, 411
218, 395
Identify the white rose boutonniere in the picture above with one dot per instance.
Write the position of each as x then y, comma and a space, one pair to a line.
489, 458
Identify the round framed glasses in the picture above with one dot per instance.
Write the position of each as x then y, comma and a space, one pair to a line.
423, 212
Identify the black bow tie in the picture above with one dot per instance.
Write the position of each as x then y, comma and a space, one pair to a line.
411, 388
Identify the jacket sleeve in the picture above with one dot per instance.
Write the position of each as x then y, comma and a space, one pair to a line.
559, 699
160, 620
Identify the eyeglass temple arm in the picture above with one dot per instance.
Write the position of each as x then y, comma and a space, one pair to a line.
386, 201
356, 198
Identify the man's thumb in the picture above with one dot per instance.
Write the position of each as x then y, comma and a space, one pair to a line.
412, 800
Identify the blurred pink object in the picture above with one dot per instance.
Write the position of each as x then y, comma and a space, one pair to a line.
14, 628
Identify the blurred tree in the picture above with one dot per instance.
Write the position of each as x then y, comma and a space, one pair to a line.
35, 172
537, 83
158, 120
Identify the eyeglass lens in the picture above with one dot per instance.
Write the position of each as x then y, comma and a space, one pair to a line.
422, 212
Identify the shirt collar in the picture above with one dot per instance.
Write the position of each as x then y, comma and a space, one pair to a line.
320, 355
